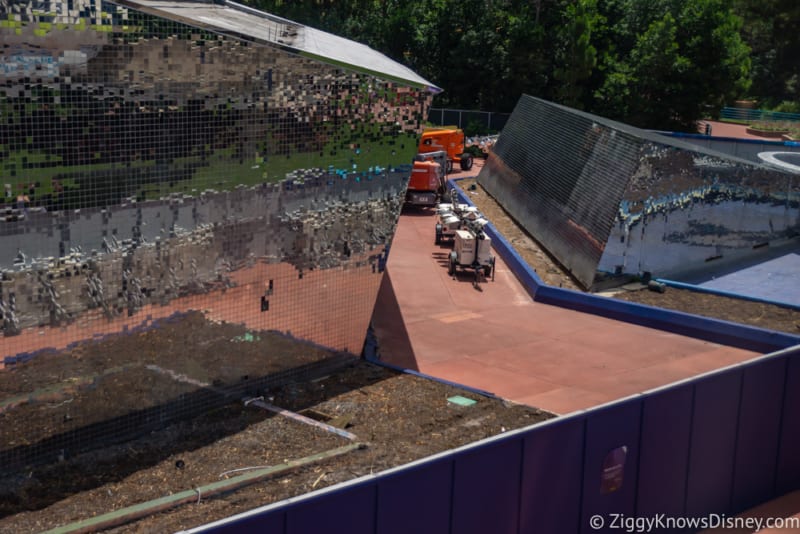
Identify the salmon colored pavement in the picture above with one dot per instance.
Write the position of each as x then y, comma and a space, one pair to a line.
496, 338
777, 516
728, 129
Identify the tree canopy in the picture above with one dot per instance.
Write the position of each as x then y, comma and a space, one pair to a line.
660, 64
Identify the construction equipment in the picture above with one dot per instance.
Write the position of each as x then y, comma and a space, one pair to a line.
452, 217
449, 139
427, 183
447, 222
472, 250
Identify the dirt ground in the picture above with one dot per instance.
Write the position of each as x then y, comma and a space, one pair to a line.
736, 310
206, 369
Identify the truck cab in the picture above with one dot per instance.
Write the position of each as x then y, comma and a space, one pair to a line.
427, 183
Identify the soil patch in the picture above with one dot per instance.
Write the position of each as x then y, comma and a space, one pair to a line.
193, 375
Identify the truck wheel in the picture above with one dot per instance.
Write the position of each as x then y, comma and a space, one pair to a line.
438, 235
449, 166
451, 270
466, 162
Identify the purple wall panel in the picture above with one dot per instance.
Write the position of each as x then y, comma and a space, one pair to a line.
348, 511
552, 475
417, 500
273, 522
664, 454
711, 458
486, 489
758, 434
788, 456
715, 445
608, 430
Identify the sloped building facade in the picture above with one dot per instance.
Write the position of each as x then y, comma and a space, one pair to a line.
604, 197
178, 170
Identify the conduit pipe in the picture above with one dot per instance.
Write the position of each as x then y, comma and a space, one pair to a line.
138, 511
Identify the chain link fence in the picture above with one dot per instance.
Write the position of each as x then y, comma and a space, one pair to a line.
472, 122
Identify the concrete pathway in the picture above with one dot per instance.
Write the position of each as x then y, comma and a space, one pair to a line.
727, 129
497, 339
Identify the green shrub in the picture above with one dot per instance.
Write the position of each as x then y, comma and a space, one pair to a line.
474, 127
773, 126
788, 106
475, 150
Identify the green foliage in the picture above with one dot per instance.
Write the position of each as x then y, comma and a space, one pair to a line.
576, 56
654, 63
788, 107
673, 60
771, 30
474, 127
476, 151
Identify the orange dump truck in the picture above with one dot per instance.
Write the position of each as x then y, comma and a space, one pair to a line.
449, 139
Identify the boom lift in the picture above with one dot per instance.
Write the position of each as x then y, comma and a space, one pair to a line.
449, 139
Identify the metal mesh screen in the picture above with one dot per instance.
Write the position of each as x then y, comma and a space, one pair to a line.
604, 196
151, 171
562, 175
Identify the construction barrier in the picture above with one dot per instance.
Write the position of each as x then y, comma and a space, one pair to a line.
684, 454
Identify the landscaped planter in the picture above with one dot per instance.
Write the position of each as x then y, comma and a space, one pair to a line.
777, 134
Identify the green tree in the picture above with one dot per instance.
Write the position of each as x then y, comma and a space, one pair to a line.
654, 63
576, 55
770, 28
674, 61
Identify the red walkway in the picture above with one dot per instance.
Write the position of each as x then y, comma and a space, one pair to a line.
497, 339
727, 129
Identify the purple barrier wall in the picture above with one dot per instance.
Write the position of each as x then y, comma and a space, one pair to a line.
611, 462
351, 512
758, 433
788, 471
664, 457
424, 489
713, 444
486, 489
255, 523
552, 478
718, 444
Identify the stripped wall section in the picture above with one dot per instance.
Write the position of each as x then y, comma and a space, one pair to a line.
562, 175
